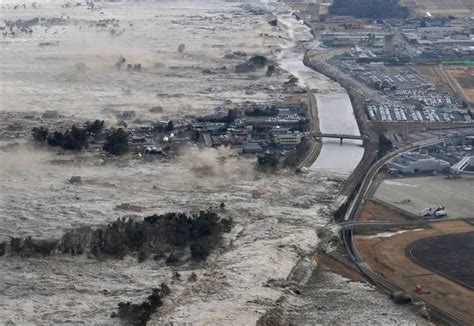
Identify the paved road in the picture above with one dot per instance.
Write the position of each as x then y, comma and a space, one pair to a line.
353, 212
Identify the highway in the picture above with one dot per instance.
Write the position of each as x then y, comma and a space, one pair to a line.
350, 221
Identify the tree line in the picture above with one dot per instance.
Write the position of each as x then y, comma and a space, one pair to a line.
177, 237
78, 138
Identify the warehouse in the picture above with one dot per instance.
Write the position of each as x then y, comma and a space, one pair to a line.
412, 163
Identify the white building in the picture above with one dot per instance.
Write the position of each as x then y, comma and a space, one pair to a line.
288, 139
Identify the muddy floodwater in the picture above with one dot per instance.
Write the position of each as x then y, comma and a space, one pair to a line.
67, 66
335, 112
336, 116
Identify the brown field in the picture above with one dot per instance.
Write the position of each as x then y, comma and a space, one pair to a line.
376, 211
336, 266
441, 7
465, 82
386, 256
432, 74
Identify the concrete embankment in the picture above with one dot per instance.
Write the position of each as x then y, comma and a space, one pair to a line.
316, 144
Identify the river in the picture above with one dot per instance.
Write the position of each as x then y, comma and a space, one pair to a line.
335, 111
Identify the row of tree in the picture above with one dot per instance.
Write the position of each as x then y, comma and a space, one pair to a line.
77, 138
172, 235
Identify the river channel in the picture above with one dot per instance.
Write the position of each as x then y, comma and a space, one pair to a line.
335, 111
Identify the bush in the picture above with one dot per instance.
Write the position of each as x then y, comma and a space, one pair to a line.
139, 314
74, 139
117, 142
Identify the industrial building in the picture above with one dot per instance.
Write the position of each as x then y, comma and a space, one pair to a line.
340, 39
412, 163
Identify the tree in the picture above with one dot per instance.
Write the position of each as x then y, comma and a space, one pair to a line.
139, 314
94, 128
232, 115
40, 134
56, 139
385, 145
117, 142
75, 139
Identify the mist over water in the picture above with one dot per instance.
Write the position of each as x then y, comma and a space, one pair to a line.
77, 77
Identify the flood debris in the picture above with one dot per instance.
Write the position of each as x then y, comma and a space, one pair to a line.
76, 179
157, 109
273, 22
252, 64
401, 297
120, 62
129, 207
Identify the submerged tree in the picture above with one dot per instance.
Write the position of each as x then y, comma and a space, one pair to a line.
139, 314
94, 128
117, 142
40, 134
74, 139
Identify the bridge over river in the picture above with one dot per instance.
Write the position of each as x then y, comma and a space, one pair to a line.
341, 136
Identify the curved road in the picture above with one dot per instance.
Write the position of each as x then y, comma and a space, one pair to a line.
353, 212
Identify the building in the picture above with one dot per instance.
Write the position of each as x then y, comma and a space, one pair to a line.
288, 140
412, 163
342, 39
252, 148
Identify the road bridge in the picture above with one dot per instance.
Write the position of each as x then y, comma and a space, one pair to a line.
340, 136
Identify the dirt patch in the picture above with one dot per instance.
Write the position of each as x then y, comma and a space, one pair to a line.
337, 266
376, 211
386, 256
465, 82
432, 74
440, 7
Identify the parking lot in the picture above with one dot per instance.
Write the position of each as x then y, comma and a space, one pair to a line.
408, 114
418, 193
